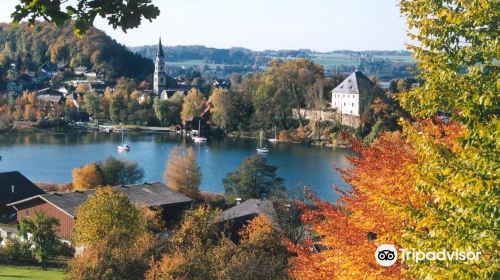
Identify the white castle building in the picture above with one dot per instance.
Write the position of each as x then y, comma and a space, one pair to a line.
353, 95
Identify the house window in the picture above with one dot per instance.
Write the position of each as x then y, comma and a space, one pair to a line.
344, 103
352, 104
351, 111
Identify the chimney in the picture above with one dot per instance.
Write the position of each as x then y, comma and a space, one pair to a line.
12, 188
238, 201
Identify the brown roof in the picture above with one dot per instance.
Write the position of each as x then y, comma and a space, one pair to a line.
147, 194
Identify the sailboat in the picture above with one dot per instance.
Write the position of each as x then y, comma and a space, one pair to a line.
199, 138
123, 146
260, 147
275, 139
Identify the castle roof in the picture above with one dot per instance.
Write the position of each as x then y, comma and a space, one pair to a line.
355, 83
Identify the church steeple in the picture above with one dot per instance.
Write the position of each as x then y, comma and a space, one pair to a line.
160, 49
160, 77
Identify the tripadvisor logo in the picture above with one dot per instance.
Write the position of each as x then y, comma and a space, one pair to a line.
387, 255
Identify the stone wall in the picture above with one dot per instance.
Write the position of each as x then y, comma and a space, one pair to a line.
328, 115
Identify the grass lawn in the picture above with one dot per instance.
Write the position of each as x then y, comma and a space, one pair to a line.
8, 272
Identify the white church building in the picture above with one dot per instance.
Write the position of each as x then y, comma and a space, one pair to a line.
353, 95
160, 76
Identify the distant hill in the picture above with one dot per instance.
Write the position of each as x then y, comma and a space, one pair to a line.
182, 59
30, 47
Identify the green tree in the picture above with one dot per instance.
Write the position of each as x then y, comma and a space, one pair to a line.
254, 178
40, 232
120, 172
457, 54
222, 108
182, 172
125, 15
92, 103
106, 211
168, 111
118, 107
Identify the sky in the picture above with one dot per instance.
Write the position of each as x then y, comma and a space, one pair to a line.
320, 25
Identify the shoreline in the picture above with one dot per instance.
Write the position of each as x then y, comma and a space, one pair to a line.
27, 127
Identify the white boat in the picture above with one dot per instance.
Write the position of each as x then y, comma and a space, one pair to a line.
198, 138
123, 146
275, 139
260, 147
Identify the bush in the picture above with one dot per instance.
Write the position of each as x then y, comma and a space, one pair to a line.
16, 251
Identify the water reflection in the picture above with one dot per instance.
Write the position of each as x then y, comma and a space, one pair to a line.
50, 157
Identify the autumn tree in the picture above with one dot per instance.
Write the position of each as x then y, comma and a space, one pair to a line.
222, 107
106, 211
89, 176
254, 178
380, 200
193, 105
261, 253
40, 232
457, 55
199, 250
182, 172
115, 256
189, 256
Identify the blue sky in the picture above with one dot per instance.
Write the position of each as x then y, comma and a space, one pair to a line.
321, 25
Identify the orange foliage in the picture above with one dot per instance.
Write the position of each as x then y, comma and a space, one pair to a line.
381, 188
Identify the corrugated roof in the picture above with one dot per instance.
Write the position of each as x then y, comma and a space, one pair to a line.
354, 84
147, 194
250, 207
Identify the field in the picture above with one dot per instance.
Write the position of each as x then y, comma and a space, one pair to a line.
8, 272
328, 60
336, 59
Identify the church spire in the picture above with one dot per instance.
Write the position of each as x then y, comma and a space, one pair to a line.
160, 49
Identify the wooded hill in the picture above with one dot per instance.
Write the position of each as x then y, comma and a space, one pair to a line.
29, 47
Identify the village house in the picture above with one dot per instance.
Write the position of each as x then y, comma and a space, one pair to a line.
63, 205
13, 187
243, 212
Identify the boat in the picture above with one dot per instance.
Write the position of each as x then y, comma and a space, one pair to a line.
260, 147
275, 139
198, 138
123, 146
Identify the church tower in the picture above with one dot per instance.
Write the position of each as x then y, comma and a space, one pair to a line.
160, 77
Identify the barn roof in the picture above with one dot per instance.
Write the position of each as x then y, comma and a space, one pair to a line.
147, 194
14, 186
250, 207
354, 84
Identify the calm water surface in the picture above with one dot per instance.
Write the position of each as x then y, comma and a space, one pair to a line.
50, 157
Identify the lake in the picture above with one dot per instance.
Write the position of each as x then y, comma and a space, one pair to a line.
50, 157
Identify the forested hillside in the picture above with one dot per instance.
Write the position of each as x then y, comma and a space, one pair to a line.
386, 65
29, 47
